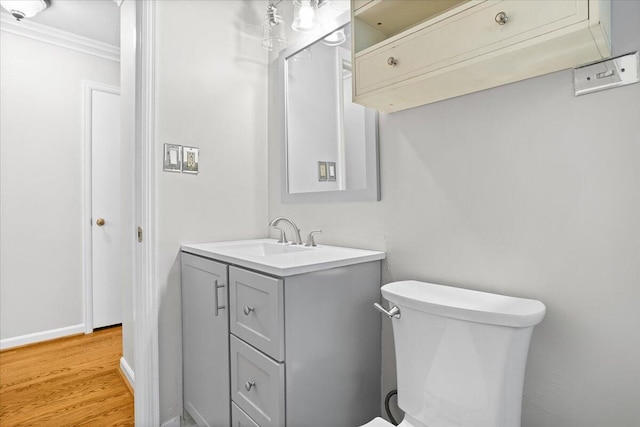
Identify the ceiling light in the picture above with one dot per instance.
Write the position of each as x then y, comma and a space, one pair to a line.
21, 9
305, 15
273, 33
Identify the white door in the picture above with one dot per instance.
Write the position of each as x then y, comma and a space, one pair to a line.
105, 208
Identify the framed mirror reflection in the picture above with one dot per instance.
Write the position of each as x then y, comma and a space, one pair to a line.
330, 147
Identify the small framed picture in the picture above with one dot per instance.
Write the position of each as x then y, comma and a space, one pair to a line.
172, 158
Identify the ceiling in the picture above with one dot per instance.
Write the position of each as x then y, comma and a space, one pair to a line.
95, 19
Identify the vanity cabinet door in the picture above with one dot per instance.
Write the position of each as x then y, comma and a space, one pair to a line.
257, 384
257, 314
239, 418
205, 340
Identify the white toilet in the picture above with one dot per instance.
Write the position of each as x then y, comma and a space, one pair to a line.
460, 354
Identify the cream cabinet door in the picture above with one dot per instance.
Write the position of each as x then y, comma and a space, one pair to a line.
472, 33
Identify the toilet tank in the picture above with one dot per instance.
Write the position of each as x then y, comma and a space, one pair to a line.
460, 354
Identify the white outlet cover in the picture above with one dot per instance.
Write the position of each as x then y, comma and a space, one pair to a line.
607, 74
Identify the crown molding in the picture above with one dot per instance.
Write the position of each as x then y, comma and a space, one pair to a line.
118, 2
60, 38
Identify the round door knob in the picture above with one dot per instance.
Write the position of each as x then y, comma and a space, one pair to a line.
249, 385
502, 18
248, 310
392, 61
100, 222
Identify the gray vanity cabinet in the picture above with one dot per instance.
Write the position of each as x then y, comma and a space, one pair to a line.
303, 350
205, 341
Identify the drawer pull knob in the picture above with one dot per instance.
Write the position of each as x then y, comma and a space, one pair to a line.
502, 18
392, 61
249, 385
248, 310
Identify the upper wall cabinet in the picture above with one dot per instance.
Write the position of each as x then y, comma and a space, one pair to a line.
408, 53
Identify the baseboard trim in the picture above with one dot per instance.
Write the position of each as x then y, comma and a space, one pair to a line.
173, 422
41, 336
127, 374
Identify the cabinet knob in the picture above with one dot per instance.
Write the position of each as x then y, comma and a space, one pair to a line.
100, 222
249, 385
392, 61
248, 310
502, 18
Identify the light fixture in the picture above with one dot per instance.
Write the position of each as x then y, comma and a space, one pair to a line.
273, 32
305, 15
336, 38
21, 9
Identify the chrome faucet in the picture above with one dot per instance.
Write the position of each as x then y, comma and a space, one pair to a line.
297, 240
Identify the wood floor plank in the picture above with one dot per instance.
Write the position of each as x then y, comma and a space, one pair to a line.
72, 381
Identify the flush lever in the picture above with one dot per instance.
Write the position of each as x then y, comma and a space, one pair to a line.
393, 312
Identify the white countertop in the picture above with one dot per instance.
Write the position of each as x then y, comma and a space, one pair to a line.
270, 257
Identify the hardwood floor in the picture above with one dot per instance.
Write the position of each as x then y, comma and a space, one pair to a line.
72, 381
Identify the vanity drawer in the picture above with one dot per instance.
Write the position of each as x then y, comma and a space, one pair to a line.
257, 384
256, 312
463, 36
239, 418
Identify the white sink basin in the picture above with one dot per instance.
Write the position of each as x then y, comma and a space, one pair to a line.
264, 248
270, 257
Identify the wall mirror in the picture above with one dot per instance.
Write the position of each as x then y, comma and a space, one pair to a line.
330, 144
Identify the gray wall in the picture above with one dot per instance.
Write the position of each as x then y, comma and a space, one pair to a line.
523, 190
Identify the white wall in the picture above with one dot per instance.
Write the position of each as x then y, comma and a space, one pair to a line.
211, 94
41, 155
523, 190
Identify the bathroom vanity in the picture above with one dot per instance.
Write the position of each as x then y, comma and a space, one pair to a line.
280, 335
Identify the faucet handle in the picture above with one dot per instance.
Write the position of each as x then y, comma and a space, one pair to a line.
310, 240
283, 236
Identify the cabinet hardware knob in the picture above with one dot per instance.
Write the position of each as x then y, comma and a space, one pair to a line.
249, 385
392, 61
502, 18
248, 310
100, 222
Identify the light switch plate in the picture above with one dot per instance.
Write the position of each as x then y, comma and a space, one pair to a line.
331, 171
172, 158
189, 160
607, 74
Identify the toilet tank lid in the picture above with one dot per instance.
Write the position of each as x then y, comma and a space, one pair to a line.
465, 304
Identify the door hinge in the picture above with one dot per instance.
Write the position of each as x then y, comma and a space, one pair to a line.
139, 234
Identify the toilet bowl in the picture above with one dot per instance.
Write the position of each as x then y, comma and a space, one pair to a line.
460, 354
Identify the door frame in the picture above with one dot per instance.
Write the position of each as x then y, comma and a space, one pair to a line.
145, 297
89, 88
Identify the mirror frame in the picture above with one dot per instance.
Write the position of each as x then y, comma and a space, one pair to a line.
372, 161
